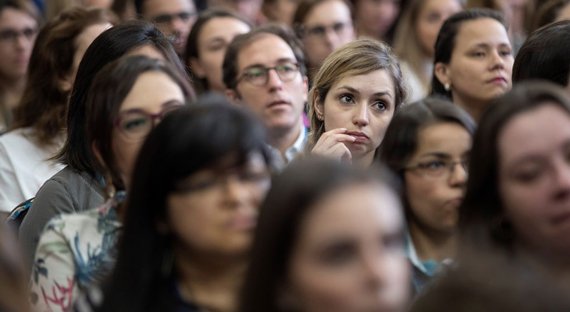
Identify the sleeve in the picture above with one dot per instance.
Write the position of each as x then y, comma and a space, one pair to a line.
53, 283
52, 199
10, 194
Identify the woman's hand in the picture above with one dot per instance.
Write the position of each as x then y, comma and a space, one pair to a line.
331, 144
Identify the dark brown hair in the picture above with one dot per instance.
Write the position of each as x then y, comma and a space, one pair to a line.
44, 104
201, 85
230, 68
109, 89
544, 55
548, 12
481, 220
306, 6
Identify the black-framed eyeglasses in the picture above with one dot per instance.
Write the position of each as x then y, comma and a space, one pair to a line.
12, 35
168, 18
136, 124
437, 168
259, 75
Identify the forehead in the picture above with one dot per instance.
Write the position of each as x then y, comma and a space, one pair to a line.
11, 17
482, 30
154, 7
447, 137
264, 49
367, 84
539, 130
439, 5
328, 11
144, 93
223, 26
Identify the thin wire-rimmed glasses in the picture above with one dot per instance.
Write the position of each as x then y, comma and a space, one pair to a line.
436, 169
136, 124
259, 75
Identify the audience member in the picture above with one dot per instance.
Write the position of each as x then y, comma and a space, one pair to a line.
353, 99
207, 44
330, 238
19, 25
415, 38
249, 9
473, 60
125, 9
80, 186
544, 55
127, 99
377, 19
264, 70
428, 144
173, 17
39, 120
191, 213
518, 194
56, 7
280, 10
550, 12
323, 26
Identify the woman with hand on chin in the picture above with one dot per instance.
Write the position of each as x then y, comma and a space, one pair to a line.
354, 97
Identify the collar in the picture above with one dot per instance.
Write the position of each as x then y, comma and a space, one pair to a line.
279, 162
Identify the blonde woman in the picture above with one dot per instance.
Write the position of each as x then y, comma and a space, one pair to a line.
415, 41
353, 99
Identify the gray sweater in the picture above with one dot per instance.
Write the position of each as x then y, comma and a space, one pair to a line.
65, 192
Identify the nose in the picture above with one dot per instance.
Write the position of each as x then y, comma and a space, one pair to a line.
235, 192
375, 270
273, 80
562, 181
497, 61
361, 118
331, 39
458, 175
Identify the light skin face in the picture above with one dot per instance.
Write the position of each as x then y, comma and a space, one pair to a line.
213, 41
105, 4
481, 64
278, 103
15, 55
152, 92
434, 201
375, 17
249, 9
357, 112
282, 11
564, 14
430, 18
349, 256
327, 26
173, 17
218, 216
534, 179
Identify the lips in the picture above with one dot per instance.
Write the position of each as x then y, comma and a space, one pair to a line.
360, 137
277, 103
498, 80
243, 222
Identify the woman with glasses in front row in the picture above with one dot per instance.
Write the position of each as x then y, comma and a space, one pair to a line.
126, 100
428, 145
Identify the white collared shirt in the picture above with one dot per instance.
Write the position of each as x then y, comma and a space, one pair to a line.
278, 161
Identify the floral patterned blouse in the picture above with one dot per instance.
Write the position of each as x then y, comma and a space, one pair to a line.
75, 251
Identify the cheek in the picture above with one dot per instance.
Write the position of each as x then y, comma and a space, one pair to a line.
379, 125
519, 200
126, 154
192, 219
420, 192
335, 117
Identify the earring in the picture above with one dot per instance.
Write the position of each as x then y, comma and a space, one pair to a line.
447, 87
320, 117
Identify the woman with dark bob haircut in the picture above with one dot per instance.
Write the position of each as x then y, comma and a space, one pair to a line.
427, 144
196, 191
544, 55
330, 238
79, 186
518, 194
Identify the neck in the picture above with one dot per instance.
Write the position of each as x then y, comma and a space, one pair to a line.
473, 107
365, 160
283, 139
433, 245
13, 90
208, 283
557, 265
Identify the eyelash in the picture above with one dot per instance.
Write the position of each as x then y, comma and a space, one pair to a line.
344, 96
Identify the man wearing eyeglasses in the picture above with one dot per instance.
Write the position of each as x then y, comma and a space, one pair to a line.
264, 70
173, 17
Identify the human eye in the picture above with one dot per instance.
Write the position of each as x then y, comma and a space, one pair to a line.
185, 16
346, 98
286, 68
433, 17
432, 165
135, 123
254, 176
506, 52
381, 106
317, 31
338, 254
256, 72
478, 54
528, 173
338, 27
8, 35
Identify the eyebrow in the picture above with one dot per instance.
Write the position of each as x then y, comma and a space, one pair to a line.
141, 109
486, 45
382, 93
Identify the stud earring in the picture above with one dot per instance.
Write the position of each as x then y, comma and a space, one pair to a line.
320, 117
447, 87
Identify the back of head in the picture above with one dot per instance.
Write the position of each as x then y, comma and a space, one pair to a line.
544, 55
44, 104
230, 67
198, 137
446, 39
109, 46
482, 209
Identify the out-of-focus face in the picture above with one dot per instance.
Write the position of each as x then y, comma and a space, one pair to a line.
376, 17
430, 18
214, 212
281, 11
364, 105
481, 63
105, 4
327, 26
433, 189
250, 9
213, 41
153, 93
173, 17
534, 179
349, 255
18, 31
278, 103
563, 14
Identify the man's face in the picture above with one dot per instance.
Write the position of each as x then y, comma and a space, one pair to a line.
173, 17
280, 101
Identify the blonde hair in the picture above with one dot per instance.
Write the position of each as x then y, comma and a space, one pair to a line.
352, 59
